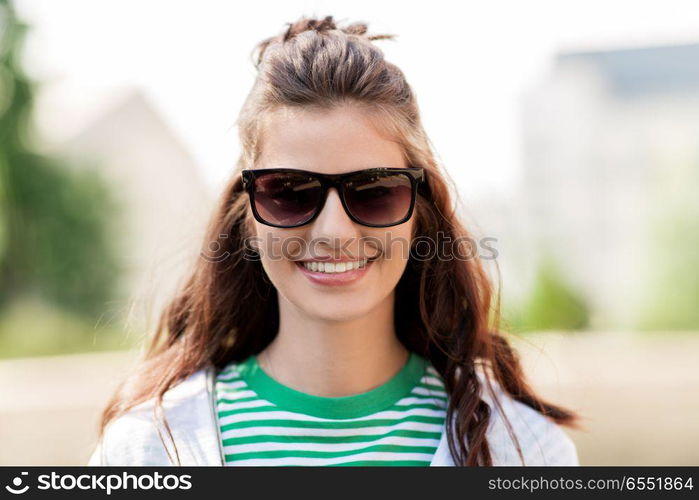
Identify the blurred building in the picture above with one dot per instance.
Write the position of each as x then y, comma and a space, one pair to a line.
163, 202
610, 152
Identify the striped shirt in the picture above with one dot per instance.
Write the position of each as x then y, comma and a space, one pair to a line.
263, 422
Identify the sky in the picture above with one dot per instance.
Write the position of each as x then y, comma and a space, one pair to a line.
468, 62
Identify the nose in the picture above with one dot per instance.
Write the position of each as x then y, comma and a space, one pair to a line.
333, 231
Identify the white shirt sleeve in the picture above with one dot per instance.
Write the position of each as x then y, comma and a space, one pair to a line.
541, 440
131, 439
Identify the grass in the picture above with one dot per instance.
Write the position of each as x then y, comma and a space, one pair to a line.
31, 328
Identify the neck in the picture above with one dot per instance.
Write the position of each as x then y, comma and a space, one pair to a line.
334, 358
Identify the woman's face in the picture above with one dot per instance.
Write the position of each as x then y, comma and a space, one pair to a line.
332, 142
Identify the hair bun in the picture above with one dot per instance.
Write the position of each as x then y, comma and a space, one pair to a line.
327, 23
318, 25
309, 24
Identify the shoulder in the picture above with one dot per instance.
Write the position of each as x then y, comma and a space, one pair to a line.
138, 438
541, 440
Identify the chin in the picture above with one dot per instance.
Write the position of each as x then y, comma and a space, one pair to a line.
338, 309
337, 318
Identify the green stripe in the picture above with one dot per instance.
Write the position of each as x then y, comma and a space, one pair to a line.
269, 408
222, 378
426, 406
270, 438
385, 448
383, 463
332, 424
436, 396
231, 368
238, 400
236, 392
432, 387
236, 411
432, 406
372, 463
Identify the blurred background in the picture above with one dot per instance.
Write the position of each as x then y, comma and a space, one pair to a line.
570, 130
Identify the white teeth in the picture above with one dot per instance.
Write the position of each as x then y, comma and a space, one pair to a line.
331, 267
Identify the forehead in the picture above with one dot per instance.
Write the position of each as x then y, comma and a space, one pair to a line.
336, 140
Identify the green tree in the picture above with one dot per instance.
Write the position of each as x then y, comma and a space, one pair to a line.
54, 220
552, 304
672, 293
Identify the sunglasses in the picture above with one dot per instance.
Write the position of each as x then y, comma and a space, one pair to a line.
374, 197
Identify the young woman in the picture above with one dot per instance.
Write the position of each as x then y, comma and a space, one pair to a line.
314, 330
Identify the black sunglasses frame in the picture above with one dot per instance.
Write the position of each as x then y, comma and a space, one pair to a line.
415, 174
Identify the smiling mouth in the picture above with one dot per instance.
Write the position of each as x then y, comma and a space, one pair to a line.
334, 267
328, 267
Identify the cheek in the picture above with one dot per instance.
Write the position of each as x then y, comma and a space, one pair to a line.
395, 249
278, 250
386, 275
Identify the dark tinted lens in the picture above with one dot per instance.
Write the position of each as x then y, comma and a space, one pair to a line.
379, 198
286, 199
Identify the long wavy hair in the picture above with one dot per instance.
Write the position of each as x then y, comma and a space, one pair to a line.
227, 308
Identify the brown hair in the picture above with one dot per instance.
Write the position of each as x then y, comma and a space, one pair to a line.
227, 309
